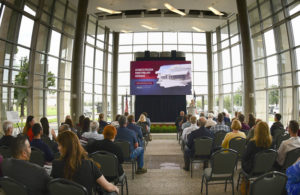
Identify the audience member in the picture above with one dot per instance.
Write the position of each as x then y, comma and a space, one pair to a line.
189, 149
220, 126
251, 120
262, 140
136, 129
187, 122
108, 145
245, 127
210, 121
63, 128
235, 126
79, 125
102, 122
69, 122
45, 136
28, 127
144, 126
75, 165
277, 125
292, 143
8, 129
34, 177
147, 120
293, 179
116, 122
38, 143
179, 119
202, 114
93, 134
123, 133
189, 129
126, 114
250, 134
236, 114
226, 119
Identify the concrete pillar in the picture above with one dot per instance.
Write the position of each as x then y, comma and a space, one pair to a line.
105, 73
220, 73
114, 94
77, 61
249, 101
210, 73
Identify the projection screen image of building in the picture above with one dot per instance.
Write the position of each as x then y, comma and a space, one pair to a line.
160, 78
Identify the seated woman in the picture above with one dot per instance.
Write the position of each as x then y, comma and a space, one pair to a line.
108, 145
262, 140
235, 126
144, 126
293, 182
75, 165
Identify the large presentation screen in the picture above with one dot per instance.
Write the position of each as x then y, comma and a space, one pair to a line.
160, 78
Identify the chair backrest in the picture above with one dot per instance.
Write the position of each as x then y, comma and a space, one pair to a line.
269, 183
108, 161
281, 138
238, 144
291, 158
264, 161
56, 155
203, 146
37, 156
5, 152
125, 146
63, 186
219, 137
12, 187
224, 161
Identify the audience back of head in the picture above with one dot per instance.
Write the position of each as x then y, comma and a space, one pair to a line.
36, 129
202, 121
20, 147
277, 117
94, 126
45, 125
262, 135
236, 125
293, 127
122, 121
109, 132
86, 124
130, 119
7, 127
193, 120
220, 117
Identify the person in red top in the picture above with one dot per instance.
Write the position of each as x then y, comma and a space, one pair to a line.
28, 127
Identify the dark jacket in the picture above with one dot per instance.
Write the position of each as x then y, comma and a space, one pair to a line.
275, 126
201, 132
6, 140
138, 132
48, 154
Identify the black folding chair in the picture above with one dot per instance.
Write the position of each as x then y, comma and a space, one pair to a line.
64, 186
12, 187
291, 158
203, 147
109, 167
269, 183
5, 152
37, 156
219, 137
125, 146
281, 138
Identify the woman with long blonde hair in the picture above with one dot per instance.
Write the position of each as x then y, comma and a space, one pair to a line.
142, 122
75, 165
262, 140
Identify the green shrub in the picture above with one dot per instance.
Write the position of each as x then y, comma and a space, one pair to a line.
163, 129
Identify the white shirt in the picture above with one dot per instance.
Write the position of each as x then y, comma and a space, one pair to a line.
210, 123
93, 135
285, 147
187, 131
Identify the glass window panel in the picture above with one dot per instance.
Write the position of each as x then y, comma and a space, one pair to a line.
259, 68
199, 38
100, 44
71, 17
137, 48
21, 56
287, 80
126, 38
67, 48
99, 59
260, 83
286, 62
227, 88
216, 79
154, 38
214, 38
155, 48
124, 49
287, 105
237, 87
254, 16
283, 37
57, 24
227, 76
298, 74
25, 31
227, 104
124, 79
5, 75
235, 39
270, 42
215, 62
297, 51
265, 9
124, 62
65, 69
184, 38
200, 90
272, 65
53, 65
273, 81
237, 74
233, 28
261, 105
98, 76
90, 40
296, 30
59, 10
170, 37
52, 105
89, 56
294, 8
199, 48
185, 48
30, 9
140, 38
169, 47
39, 63
267, 23
224, 43
98, 89
88, 75
88, 105
88, 88
276, 5
235, 55
258, 49
54, 43
91, 29
200, 62
224, 32
255, 29
226, 58
200, 78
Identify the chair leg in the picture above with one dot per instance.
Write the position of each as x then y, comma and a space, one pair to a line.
246, 186
133, 169
206, 183
225, 185
232, 185
238, 182
202, 183
191, 167
126, 185
122, 186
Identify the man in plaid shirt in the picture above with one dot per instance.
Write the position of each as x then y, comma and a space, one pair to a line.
220, 126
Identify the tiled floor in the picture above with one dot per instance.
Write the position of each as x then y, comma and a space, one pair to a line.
165, 175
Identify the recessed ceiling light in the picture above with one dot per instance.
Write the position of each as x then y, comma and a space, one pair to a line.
126, 31
215, 11
108, 10
173, 9
197, 29
148, 27
152, 9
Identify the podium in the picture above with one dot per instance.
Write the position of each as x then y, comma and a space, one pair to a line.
191, 110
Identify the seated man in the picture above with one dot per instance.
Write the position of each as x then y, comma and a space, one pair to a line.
187, 122
123, 133
189, 149
38, 142
277, 124
136, 129
93, 134
102, 122
290, 144
8, 131
108, 145
220, 126
34, 177
189, 129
